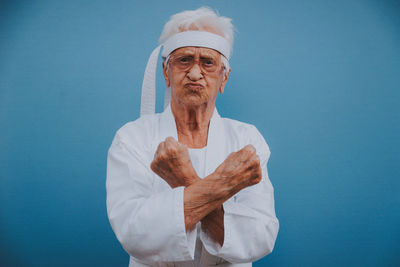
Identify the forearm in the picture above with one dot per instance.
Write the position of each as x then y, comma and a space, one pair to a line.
202, 198
249, 218
213, 224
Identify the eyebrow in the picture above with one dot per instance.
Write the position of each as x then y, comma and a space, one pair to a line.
190, 50
190, 53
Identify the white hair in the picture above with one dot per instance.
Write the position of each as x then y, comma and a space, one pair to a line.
202, 19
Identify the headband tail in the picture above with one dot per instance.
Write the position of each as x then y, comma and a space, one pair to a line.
148, 100
167, 97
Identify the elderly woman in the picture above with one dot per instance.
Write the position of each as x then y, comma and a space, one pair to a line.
187, 187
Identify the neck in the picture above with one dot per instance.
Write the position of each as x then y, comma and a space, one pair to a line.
192, 123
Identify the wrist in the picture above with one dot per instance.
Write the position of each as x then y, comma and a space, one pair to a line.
192, 180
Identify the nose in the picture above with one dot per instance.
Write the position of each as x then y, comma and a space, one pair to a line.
194, 72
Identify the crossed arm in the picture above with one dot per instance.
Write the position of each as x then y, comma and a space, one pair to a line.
203, 198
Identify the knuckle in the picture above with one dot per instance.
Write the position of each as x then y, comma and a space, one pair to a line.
256, 177
153, 166
181, 147
169, 139
244, 150
170, 150
160, 157
250, 148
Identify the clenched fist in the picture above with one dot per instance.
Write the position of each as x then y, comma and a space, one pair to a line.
203, 199
172, 163
241, 169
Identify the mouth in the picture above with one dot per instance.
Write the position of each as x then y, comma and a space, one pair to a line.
194, 86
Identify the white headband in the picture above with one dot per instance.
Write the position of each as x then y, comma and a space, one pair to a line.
182, 39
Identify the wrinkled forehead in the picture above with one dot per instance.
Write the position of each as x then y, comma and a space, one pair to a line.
194, 50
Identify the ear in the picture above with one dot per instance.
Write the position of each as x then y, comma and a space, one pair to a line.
165, 73
225, 79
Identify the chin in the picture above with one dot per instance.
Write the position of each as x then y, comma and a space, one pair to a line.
193, 101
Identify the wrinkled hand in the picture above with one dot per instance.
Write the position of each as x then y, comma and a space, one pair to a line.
172, 163
241, 169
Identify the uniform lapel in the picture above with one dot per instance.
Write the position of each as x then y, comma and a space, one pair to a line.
167, 125
216, 143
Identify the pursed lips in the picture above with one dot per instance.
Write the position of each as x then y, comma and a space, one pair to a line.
194, 86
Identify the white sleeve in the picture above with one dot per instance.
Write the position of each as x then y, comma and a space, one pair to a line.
150, 226
250, 223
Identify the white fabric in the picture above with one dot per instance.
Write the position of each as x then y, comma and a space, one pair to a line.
147, 215
182, 39
197, 38
198, 159
148, 99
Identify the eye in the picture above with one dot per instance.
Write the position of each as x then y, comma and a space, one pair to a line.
184, 60
208, 62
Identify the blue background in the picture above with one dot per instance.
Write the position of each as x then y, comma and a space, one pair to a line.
320, 80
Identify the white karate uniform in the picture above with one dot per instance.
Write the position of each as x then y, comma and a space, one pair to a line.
147, 215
